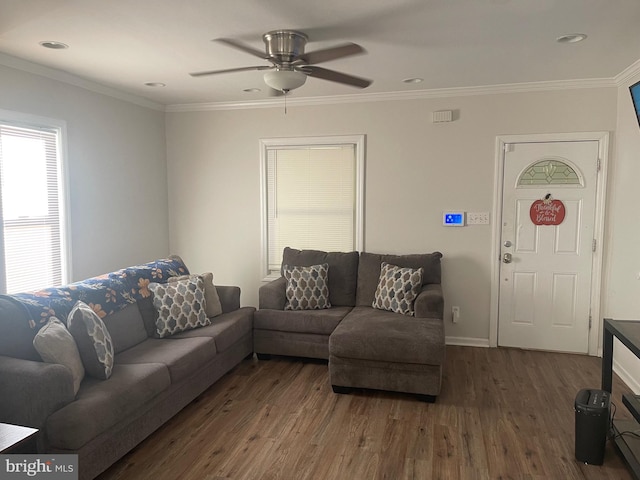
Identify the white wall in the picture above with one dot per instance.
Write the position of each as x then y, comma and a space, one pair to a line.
116, 167
622, 284
414, 170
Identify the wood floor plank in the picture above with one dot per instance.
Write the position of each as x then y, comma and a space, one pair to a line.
503, 414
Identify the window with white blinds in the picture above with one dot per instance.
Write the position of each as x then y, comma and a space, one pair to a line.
312, 196
32, 233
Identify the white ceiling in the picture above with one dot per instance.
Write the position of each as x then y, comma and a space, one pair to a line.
123, 44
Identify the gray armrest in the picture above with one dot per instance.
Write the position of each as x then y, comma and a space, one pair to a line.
31, 391
430, 302
273, 295
229, 297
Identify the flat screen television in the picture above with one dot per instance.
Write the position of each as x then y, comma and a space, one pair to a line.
635, 96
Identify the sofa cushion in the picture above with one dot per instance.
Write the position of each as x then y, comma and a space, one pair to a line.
180, 305
126, 328
370, 334
213, 307
307, 287
226, 329
343, 271
93, 340
102, 404
17, 335
182, 356
321, 322
397, 288
369, 271
55, 344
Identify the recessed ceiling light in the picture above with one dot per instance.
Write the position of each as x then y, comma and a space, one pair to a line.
155, 84
251, 90
54, 45
571, 38
413, 80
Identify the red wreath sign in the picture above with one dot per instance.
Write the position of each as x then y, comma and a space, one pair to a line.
547, 211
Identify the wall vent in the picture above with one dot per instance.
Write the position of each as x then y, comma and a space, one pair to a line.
442, 116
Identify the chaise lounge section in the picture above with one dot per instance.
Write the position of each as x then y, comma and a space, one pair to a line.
367, 347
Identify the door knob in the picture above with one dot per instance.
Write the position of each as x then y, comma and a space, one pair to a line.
506, 258
507, 243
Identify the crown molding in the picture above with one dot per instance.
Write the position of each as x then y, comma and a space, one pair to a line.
628, 75
395, 96
277, 102
64, 77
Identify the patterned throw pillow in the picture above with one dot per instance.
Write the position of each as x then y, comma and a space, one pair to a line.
55, 344
180, 305
397, 288
213, 307
307, 287
93, 340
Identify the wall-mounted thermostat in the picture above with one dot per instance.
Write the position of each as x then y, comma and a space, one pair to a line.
453, 219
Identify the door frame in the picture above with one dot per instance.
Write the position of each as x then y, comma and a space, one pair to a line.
601, 185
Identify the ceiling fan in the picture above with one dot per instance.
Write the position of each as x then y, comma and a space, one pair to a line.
290, 65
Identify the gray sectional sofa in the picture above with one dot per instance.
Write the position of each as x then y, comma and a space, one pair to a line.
152, 379
366, 347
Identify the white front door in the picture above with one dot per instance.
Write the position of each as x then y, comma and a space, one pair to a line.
547, 261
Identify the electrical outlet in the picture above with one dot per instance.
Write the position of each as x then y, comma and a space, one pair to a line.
477, 218
455, 314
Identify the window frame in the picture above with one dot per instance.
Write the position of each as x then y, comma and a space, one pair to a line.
266, 144
34, 122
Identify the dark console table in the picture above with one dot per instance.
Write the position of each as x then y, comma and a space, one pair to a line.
17, 439
628, 332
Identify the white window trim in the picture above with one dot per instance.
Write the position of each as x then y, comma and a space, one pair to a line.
33, 121
266, 143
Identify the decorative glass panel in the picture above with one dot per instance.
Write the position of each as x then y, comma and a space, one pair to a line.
549, 172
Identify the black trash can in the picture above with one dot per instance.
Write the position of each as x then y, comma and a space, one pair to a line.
592, 424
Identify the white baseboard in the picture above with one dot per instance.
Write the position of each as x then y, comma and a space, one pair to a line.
467, 342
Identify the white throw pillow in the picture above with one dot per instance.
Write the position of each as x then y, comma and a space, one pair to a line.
55, 344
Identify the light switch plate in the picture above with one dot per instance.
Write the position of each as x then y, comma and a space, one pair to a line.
478, 218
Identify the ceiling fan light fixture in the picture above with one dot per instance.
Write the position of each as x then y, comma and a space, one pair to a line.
284, 80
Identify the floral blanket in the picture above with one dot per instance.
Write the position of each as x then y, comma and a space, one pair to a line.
105, 294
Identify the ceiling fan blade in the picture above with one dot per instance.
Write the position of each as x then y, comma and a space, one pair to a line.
230, 70
244, 48
333, 53
334, 76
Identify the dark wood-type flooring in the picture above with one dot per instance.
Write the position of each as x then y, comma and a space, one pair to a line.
503, 414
